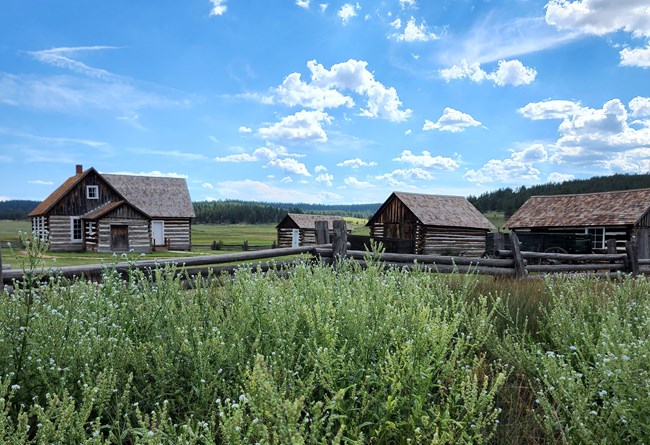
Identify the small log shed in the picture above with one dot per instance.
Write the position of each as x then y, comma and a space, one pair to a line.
306, 226
436, 224
618, 215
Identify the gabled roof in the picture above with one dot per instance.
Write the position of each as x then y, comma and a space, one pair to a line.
589, 209
302, 221
59, 193
439, 210
157, 197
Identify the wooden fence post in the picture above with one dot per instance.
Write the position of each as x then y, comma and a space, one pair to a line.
322, 232
499, 241
643, 243
520, 265
632, 257
339, 241
611, 246
2, 283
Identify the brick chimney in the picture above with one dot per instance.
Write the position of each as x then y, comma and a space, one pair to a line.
79, 169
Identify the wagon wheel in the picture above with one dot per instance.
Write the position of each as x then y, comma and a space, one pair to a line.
554, 249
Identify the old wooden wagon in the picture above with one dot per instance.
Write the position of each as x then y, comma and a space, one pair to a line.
108, 213
618, 215
434, 224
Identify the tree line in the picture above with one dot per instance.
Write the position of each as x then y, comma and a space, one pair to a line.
508, 200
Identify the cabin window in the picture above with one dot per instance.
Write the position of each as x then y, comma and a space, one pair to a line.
39, 227
597, 237
92, 192
76, 229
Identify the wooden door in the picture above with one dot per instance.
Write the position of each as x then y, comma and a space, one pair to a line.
119, 238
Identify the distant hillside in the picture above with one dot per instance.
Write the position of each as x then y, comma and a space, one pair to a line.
508, 200
16, 209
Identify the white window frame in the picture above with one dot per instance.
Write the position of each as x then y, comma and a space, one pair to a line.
597, 232
39, 227
96, 191
73, 219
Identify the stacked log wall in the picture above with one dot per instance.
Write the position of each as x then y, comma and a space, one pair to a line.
453, 241
139, 236
178, 234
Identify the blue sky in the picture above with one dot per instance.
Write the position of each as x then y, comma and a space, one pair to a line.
323, 101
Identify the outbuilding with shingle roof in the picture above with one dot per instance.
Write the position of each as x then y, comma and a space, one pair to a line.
434, 224
108, 213
300, 228
616, 215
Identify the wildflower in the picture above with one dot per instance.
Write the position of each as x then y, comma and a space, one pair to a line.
573, 348
15, 387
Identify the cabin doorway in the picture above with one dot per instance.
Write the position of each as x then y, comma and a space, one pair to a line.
119, 238
158, 233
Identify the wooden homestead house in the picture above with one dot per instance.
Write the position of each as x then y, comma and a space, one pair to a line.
297, 229
98, 212
431, 224
616, 215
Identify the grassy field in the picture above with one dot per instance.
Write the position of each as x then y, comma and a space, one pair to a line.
322, 356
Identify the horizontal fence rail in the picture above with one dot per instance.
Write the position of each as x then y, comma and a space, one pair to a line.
506, 263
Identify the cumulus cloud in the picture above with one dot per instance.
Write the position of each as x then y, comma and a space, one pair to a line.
550, 109
516, 169
218, 7
347, 12
267, 153
411, 174
600, 17
303, 3
354, 182
260, 191
407, 3
355, 163
639, 57
640, 106
425, 160
413, 32
207, 185
451, 120
325, 178
290, 165
510, 72
244, 129
303, 126
294, 91
559, 177
320, 169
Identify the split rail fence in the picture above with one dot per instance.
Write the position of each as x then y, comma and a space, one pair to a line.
332, 246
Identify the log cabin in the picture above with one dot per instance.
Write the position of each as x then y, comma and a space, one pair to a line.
434, 224
98, 212
619, 215
304, 227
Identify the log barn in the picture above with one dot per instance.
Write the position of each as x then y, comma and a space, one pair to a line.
301, 229
618, 215
98, 212
435, 224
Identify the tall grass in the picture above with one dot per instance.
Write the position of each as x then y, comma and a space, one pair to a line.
324, 356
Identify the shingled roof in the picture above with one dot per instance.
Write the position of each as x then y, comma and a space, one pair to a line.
584, 210
440, 210
302, 221
158, 197
57, 194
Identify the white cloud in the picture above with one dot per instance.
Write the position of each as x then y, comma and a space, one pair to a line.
40, 182
506, 171
639, 57
237, 158
600, 17
550, 109
356, 163
407, 132
286, 180
63, 58
325, 178
218, 7
354, 182
425, 160
559, 177
294, 91
530, 154
347, 12
267, 153
353, 75
414, 32
303, 126
409, 3
397, 23
636, 160
156, 173
412, 174
511, 72
323, 7
640, 106
320, 169
244, 129
207, 185
290, 165
451, 120
303, 3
